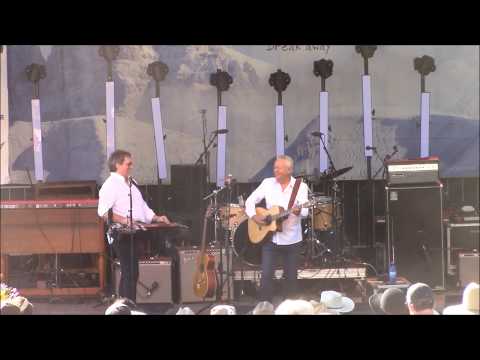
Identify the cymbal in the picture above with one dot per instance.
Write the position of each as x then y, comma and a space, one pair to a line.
334, 174
326, 175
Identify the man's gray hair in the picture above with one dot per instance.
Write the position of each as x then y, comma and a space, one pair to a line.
116, 158
287, 159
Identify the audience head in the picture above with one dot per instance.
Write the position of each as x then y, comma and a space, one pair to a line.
470, 302
263, 308
336, 302
294, 307
420, 299
223, 310
123, 306
390, 302
185, 311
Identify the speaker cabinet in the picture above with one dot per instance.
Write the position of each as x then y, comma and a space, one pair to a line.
414, 233
463, 237
468, 268
189, 186
154, 281
185, 267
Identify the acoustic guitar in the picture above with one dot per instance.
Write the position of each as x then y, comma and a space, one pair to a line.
205, 280
276, 214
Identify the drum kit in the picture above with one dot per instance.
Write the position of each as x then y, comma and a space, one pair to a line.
325, 217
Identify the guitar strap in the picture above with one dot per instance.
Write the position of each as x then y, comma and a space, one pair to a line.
294, 192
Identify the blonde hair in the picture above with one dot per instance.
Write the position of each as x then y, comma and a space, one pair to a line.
288, 159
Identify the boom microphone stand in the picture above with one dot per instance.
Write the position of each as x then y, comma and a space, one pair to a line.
384, 161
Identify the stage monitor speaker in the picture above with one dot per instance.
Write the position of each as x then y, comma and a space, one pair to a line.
189, 186
468, 268
154, 281
415, 233
185, 267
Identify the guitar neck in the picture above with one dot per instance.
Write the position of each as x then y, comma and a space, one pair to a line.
204, 235
288, 212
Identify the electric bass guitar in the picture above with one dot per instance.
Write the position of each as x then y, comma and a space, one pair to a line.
205, 280
274, 216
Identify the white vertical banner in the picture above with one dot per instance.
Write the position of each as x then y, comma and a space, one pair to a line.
110, 113
4, 157
159, 143
425, 125
221, 145
367, 113
323, 129
37, 139
279, 130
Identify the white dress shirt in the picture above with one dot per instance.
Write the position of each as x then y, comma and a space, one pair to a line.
115, 194
271, 190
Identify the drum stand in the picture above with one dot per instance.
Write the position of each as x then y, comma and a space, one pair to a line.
314, 248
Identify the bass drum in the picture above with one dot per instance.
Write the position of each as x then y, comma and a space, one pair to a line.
249, 253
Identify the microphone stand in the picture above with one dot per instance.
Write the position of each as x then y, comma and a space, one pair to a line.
384, 165
334, 197
226, 244
133, 284
206, 154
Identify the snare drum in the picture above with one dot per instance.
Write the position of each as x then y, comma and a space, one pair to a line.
234, 212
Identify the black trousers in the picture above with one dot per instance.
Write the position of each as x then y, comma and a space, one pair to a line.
129, 255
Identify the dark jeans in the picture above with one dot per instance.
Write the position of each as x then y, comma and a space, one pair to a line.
290, 257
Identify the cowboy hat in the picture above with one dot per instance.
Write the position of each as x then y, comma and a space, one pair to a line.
470, 302
335, 301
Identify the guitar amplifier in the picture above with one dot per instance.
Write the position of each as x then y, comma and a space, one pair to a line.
154, 280
463, 237
415, 171
185, 267
468, 268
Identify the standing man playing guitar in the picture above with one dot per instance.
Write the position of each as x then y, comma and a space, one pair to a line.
280, 191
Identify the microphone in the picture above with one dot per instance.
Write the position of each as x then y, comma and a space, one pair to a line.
220, 131
132, 180
316, 133
153, 288
370, 148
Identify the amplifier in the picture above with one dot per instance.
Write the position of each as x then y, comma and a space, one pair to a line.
185, 267
468, 268
415, 171
154, 281
462, 237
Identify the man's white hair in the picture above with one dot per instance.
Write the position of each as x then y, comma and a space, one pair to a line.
294, 307
288, 159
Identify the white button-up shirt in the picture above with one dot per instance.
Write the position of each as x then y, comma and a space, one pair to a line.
115, 194
271, 190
